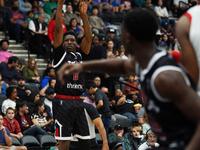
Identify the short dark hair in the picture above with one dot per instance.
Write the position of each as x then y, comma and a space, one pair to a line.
13, 1
29, 12
9, 91
90, 83
20, 103
4, 40
69, 33
141, 24
49, 69
95, 7
49, 82
11, 59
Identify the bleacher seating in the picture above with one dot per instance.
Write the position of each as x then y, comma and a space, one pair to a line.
15, 141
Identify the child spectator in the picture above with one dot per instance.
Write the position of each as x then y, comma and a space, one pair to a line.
4, 54
11, 94
18, 68
30, 15
25, 122
135, 138
3, 85
37, 115
11, 123
132, 82
164, 44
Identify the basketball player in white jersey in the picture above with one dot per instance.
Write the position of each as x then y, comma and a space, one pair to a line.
188, 34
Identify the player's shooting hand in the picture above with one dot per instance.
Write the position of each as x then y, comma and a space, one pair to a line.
83, 6
68, 69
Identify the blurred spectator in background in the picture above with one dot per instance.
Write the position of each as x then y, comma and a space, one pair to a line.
147, 6
145, 125
17, 22
50, 75
4, 54
135, 138
23, 92
75, 6
35, 6
30, 16
12, 124
47, 18
11, 94
96, 22
39, 30
165, 44
133, 83
49, 6
122, 52
49, 93
138, 3
69, 15
110, 50
52, 26
49, 64
21, 7
115, 146
8, 70
18, 68
51, 84
3, 86
116, 5
118, 136
111, 36
90, 99
30, 72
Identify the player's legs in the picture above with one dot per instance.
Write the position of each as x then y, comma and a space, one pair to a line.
83, 144
64, 145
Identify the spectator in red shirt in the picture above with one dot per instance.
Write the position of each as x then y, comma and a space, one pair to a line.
11, 123
132, 82
52, 26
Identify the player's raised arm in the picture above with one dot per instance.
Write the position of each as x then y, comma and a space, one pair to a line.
58, 37
86, 42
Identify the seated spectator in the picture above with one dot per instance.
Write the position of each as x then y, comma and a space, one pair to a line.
21, 7
49, 98
110, 50
47, 17
23, 92
37, 115
181, 7
77, 29
11, 94
133, 83
116, 5
8, 71
138, 3
147, 6
25, 122
11, 123
3, 86
165, 44
39, 30
125, 106
96, 22
140, 115
119, 137
145, 125
162, 14
122, 52
102, 104
111, 36
97, 81
52, 26
4, 54
151, 141
35, 6
69, 15
17, 22
49, 64
135, 138
50, 75
75, 6
30, 16
30, 72
90, 99
34, 97
51, 84
49, 6
5, 139
18, 68
115, 146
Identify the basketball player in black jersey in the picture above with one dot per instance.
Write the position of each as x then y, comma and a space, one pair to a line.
68, 109
171, 103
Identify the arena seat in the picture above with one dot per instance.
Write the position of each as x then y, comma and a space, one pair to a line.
30, 141
47, 141
15, 141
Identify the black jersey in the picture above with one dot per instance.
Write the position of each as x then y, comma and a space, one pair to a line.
171, 126
74, 84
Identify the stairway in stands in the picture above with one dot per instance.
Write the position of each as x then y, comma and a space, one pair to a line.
22, 52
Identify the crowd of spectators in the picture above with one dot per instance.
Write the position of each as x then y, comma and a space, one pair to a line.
34, 109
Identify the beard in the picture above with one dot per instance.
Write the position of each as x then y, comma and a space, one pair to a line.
21, 85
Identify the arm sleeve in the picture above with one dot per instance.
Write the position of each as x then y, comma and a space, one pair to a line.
31, 25
8, 132
9, 15
98, 97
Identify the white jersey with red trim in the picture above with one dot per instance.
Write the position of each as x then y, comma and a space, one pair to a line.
193, 15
